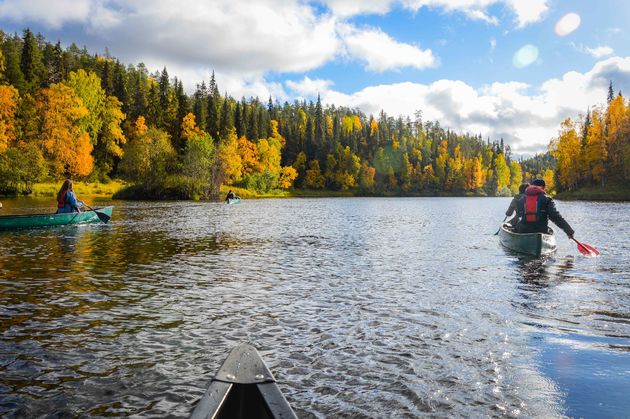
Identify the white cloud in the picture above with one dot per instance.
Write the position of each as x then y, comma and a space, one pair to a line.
526, 11
527, 117
480, 15
597, 52
345, 8
52, 14
309, 87
381, 52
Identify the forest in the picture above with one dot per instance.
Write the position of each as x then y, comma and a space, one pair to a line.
67, 113
595, 149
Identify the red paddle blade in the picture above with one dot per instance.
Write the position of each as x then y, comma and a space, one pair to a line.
587, 250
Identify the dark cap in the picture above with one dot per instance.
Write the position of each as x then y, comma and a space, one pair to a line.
539, 182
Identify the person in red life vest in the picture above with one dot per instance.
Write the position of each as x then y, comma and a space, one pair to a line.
513, 208
66, 199
536, 208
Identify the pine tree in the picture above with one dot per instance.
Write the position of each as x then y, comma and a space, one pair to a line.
32, 63
107, 78
120, 85
199, 108
238, 120
320, 127
12, 70
213, 114
611, 93
226, 122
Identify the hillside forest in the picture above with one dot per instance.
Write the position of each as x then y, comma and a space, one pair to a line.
67, 113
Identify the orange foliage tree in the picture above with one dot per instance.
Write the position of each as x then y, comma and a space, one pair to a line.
8, 106
67, 146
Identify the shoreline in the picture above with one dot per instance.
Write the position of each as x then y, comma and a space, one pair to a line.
107, 190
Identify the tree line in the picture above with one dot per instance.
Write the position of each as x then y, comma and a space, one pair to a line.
594, 150
69, 113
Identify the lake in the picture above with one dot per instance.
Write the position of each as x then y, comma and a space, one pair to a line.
361, 307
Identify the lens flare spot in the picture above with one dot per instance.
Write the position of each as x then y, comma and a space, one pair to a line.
525, 56
567, 24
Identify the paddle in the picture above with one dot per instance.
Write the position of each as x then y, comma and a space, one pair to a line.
497, 233
586, 249
101, 215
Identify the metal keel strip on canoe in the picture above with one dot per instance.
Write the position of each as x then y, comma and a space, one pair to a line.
243, 374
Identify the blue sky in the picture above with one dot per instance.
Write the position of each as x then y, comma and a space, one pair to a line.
455, 60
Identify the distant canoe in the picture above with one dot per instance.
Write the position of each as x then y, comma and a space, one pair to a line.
14, 222
243, 388
234, 201
534, 244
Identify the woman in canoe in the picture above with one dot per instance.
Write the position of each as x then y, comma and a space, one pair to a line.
66, 199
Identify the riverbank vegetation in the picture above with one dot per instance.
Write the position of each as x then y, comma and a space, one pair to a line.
69, 113
593, 152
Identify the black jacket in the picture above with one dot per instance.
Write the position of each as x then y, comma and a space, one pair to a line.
546, 211
514, 205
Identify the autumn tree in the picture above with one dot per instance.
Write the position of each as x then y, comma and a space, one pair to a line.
566, 150
65, 143
8, 107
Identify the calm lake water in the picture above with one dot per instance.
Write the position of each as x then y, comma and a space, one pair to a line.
361, 307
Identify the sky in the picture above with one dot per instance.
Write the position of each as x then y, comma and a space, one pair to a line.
511, 69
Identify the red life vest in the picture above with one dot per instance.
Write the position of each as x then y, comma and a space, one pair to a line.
61, 202
532, 194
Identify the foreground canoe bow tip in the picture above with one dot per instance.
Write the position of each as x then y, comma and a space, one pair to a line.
243, 388
587, 249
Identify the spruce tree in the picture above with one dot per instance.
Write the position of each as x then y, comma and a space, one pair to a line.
611, 93
32, 63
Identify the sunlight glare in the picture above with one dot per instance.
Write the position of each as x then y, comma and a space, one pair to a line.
567, 24
525, 56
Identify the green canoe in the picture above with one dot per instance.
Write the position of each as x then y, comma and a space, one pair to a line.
535, 244
243, 388
13, 222
234, 201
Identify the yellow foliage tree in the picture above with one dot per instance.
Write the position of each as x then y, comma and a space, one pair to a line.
231, 160
615, 124
566, 149
287, 175
268, 151
516, 176
366, 176
595, 152
66, 145
502, 171
314, 177
190, 128
249, 156
473, 174
112, 136
549, 177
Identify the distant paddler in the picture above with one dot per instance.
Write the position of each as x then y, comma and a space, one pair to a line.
536, 208
67, 200
513, 208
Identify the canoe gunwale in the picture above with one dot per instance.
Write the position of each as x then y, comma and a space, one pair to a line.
31, 221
